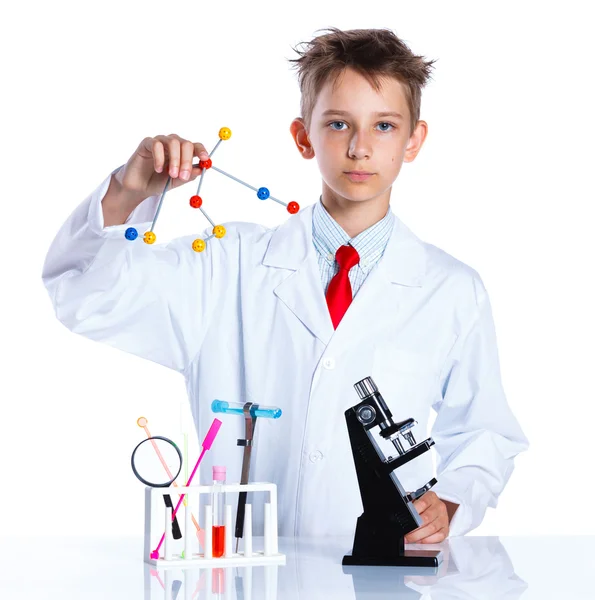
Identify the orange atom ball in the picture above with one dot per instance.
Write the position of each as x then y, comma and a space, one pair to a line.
196, 201
199, 245
205, 164
219, 231
150, 237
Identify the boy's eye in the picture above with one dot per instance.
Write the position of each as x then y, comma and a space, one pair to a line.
341, 125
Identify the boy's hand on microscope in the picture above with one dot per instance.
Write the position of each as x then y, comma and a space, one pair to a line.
435, 516
158, 158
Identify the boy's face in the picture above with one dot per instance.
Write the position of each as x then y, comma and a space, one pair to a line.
358, 138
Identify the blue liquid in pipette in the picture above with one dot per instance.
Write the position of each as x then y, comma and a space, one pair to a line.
221, 406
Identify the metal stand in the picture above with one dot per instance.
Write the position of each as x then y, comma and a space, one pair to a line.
247, 444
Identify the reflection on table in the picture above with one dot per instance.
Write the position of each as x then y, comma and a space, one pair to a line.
472, 567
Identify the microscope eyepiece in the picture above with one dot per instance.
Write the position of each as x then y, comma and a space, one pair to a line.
365, 388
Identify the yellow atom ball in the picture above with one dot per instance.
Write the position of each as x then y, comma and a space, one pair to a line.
150, 237
218, 231
225, 133
198, 245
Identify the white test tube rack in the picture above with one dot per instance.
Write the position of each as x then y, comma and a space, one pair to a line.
168, 557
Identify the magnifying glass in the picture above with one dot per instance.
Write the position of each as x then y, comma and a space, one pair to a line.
157, 462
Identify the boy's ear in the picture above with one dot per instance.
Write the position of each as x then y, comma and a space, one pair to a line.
300, 137
416, 141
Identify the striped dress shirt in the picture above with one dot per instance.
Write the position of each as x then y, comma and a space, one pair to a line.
328, 236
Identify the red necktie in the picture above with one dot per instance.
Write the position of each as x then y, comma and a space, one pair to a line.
338, 294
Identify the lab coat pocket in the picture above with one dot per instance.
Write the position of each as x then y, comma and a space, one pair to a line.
407, 379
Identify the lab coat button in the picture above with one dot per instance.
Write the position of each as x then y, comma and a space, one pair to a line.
315, 456
329, 363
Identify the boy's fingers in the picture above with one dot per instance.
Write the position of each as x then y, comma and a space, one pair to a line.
200, 151
158, 155
433, 519
174, 156
425, 501
187, 152
424, 531
437, 537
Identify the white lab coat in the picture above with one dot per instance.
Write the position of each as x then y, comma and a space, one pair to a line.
247, 320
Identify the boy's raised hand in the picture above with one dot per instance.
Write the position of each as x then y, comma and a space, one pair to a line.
156, 158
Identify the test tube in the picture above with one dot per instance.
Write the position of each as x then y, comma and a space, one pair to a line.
237, 408
208, 531
268, 550
188, 529
248, 531
228, 539
218, 502
168, 534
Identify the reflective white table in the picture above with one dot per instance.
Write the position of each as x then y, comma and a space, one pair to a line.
539, 567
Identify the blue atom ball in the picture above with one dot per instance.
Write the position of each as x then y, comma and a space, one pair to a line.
263, 193
131, 233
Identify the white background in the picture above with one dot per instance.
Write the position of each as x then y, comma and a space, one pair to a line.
503, 183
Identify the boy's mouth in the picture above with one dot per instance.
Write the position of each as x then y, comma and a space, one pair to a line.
358, 175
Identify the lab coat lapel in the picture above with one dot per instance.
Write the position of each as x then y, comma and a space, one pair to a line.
376, 304
291, 248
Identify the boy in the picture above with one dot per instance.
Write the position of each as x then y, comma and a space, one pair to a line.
267, 315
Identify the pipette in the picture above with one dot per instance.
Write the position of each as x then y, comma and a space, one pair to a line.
206, 445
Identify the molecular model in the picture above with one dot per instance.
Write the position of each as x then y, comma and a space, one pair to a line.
199, 245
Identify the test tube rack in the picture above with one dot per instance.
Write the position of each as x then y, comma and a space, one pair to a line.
268, 555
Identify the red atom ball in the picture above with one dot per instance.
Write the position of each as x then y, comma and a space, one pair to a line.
293, 207
196, 201
205, 164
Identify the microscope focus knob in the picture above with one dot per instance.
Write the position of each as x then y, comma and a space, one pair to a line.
366, 414
421, 491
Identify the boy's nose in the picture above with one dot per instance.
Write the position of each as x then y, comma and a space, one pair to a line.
360, 147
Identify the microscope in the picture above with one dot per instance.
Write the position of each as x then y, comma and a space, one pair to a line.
389, 513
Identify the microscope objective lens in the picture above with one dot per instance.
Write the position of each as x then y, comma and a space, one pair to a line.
397, 444
409, 437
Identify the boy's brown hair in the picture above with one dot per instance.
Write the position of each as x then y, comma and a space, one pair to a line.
374, 53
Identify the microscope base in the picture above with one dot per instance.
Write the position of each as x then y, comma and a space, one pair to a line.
380, 541
411, 558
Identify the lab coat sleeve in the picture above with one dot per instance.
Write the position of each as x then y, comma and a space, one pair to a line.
153, 301
476, 434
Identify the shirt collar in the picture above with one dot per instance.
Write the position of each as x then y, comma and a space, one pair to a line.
328, 236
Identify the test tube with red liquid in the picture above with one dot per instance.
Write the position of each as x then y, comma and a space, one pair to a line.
218, 504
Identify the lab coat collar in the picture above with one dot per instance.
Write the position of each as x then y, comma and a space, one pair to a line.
291, 247
404, 259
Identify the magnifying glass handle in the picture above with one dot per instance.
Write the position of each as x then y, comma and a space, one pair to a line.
175, 526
